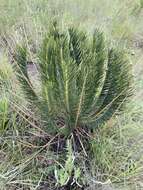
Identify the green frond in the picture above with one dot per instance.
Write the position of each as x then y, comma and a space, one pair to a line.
27, 87
22, 74
97, 70
116, 90
77, 44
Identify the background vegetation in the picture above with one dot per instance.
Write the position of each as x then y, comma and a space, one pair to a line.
26, 161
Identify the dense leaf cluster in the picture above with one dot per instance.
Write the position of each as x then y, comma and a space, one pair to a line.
83, 82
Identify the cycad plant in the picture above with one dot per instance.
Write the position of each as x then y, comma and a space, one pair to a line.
83, 82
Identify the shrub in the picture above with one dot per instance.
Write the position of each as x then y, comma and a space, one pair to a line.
83, 81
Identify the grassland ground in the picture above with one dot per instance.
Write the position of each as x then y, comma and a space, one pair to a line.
26, 160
